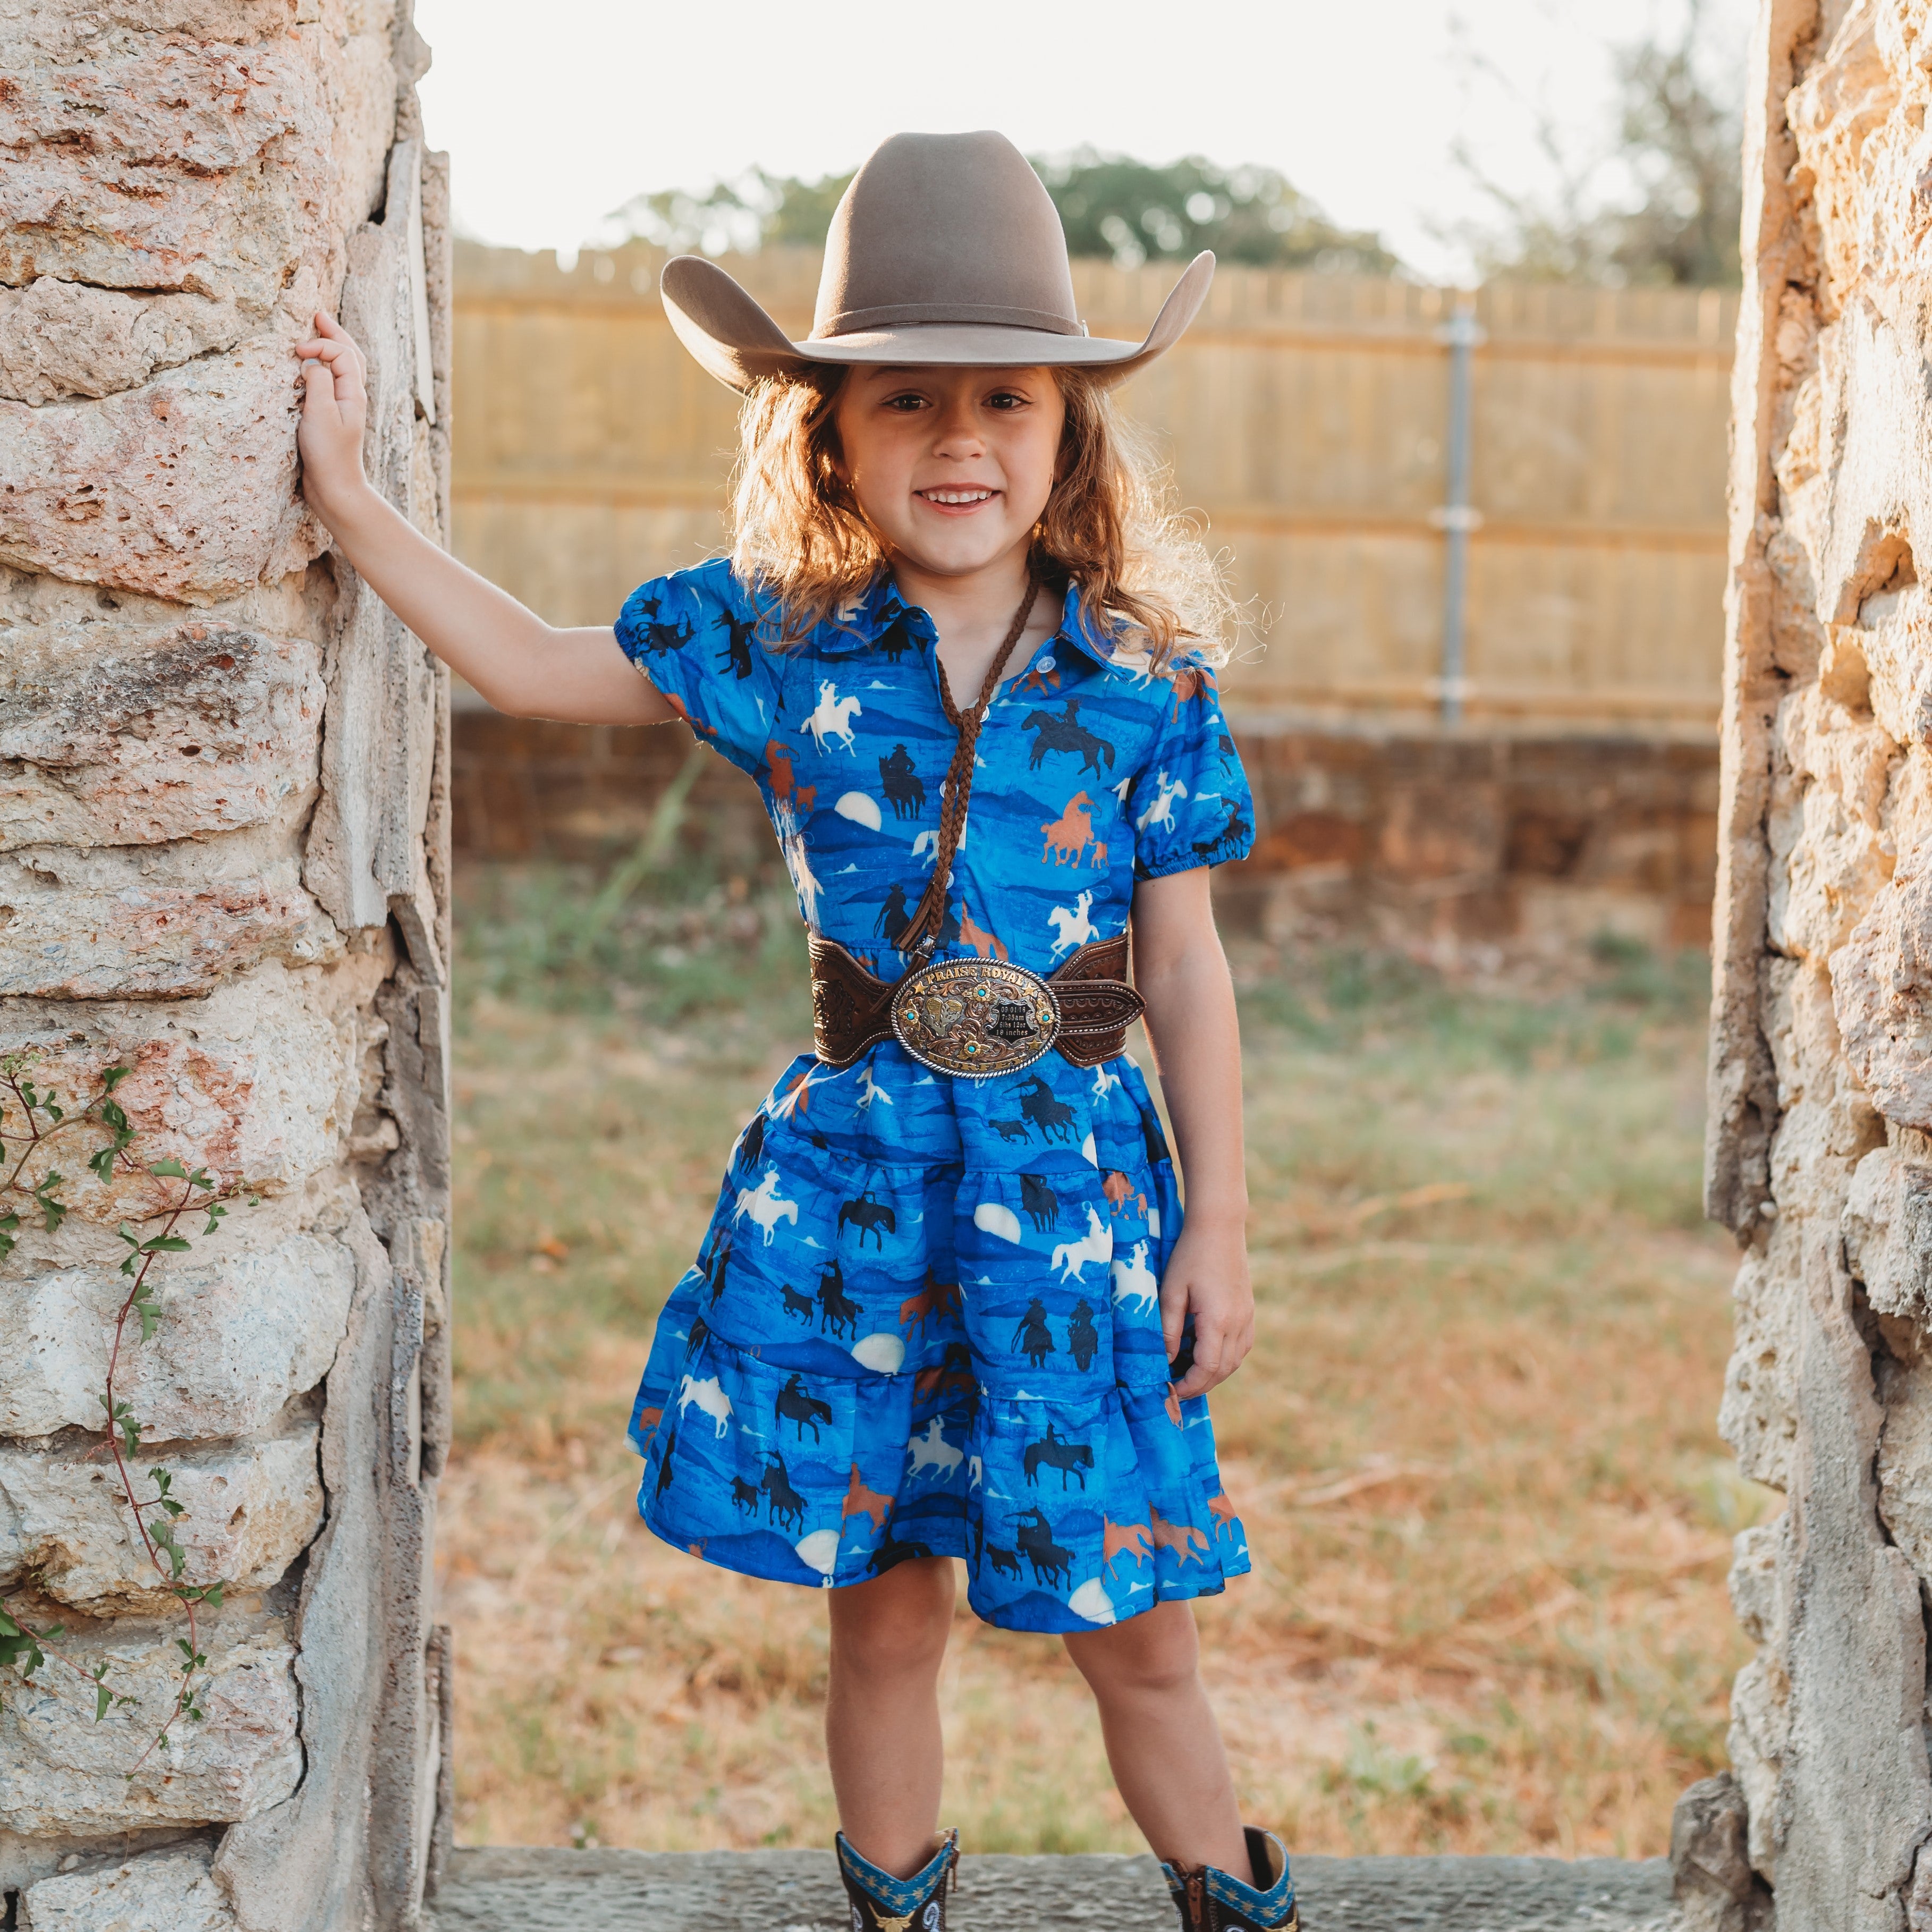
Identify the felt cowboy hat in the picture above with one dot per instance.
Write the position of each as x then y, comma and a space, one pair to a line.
946, 248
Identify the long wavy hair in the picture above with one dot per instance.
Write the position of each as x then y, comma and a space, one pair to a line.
800, 539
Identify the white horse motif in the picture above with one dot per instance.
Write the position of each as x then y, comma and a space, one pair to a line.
1134, 1281
869, 1089
709, 1396
1104, 1082
763, 1205
1073, 927
975, 1472
832, 716
932, 1451
793, 851
1071, 1258
1161, 812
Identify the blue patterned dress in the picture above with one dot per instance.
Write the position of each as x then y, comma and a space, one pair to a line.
925, 1320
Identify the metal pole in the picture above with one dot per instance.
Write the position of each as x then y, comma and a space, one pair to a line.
1457, 517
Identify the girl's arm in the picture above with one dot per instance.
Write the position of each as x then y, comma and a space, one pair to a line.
520, 663
1182, 974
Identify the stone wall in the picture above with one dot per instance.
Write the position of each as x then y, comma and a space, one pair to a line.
224, 844
1403, 836
1820, 1149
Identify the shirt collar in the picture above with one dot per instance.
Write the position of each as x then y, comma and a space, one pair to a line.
858, 629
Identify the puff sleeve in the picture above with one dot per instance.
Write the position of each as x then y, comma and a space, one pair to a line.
1190, 804
693, 635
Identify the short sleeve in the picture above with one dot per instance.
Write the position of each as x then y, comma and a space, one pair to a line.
693, 634
1190, 805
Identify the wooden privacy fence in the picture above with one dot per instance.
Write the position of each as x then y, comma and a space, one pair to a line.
1307, 418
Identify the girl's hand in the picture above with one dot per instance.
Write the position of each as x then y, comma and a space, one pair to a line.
1207, 1277
335, 406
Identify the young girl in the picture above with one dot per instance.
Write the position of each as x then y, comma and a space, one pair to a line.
946, 1308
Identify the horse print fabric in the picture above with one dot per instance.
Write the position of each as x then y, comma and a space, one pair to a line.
925, 1318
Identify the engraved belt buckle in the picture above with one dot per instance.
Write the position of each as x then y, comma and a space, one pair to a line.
974, 1019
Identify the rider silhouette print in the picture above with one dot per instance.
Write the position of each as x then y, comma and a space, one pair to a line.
948, 1313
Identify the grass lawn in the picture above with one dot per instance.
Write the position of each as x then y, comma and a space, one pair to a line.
1474, 1447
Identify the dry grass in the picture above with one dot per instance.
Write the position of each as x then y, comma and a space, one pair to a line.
1474, 1447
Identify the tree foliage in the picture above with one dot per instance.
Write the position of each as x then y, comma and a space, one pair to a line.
1112, 206
1661, 203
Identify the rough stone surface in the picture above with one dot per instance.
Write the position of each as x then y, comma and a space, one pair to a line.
509, 1891
62, 1772
170, 1890
1819, 1157
200, 882
251, 1508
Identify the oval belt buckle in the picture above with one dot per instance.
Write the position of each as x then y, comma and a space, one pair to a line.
974, 1019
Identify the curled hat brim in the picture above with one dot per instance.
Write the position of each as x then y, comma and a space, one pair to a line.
733, 339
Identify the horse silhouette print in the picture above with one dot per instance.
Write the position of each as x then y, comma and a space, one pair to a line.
901, 784
796, 1405
763, 1205
1062, 731
736, 657
1053, 1451
832, 717
868, 1216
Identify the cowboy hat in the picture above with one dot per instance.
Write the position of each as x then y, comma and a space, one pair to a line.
946, 248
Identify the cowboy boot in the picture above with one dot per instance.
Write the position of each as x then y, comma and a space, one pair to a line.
1210, 1900
881, 1903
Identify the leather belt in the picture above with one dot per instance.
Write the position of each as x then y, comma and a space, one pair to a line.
974, 1019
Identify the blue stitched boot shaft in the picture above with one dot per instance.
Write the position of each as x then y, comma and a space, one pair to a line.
1210, 1900
881, 1903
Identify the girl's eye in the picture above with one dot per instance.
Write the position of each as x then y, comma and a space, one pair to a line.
1006, 399
905, 405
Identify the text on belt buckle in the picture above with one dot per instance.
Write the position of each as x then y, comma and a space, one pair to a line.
974, 1019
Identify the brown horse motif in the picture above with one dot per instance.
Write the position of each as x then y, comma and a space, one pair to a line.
936, 1298
1222, 1508
1119, 1190
785, 787
1192, 682
1069, 835
1180, 1538
1124, 1539
860, 1501
981, 941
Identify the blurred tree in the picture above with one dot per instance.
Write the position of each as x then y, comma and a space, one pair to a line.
1671, 209
1124, 211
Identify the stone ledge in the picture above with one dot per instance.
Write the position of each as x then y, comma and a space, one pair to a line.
511, 1890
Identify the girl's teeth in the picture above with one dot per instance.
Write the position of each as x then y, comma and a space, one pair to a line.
957, 496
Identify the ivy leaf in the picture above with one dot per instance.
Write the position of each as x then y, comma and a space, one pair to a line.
113, 1077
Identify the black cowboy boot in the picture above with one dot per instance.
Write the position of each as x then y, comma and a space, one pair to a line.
1210, 1900
881, 1903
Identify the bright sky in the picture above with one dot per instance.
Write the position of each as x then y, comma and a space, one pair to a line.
556, 114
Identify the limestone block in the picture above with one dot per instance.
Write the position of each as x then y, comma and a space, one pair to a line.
164, 941
1888, 1229
170, 165
60, 340
1835, 866
168, 1890
114, 736
60, 1771
183, 488
1905, 1463
1759, 1417
1712, 1879
250, 1507
82, 29
1759, 1735
1882, 991
1756, 1588
246, 1082
239, 1335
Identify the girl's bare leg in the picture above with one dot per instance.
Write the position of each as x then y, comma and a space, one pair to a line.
882, 1735
1162, 1740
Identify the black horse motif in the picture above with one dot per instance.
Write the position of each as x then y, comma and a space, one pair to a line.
1034, 1535
798, 1304
902, 784
1011, 1130
744, 1495
1232, 833
787, 1505
869, 1215
659, 638
736, 657
1152, 1138
839, 1311
751, 1146
700, 1333
1055, 1452
804, 1410
1032, 1337
663, 1463
892, 1551
895, 639
1053, 1117
1041, 1203
714, 1269
893, 916
1006, 1562
1063, 732
1083, 1339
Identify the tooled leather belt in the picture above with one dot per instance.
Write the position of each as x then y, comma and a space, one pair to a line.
974, 1019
